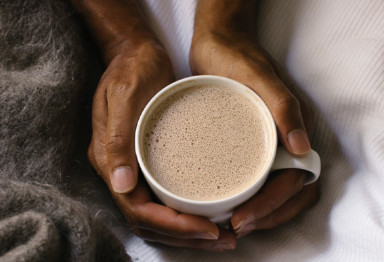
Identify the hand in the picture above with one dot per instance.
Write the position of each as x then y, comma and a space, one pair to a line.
236, 55
137, 68
129, 82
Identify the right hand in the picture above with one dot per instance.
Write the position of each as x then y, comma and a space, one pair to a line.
132, 78
238, 56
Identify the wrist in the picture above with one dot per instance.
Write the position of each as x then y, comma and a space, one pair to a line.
116, 25
128, 47
207, 43
225, 16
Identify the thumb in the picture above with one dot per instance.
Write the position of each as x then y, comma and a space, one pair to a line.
285, 109
120, 144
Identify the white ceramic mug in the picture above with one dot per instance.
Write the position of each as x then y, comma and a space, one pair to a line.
220, 210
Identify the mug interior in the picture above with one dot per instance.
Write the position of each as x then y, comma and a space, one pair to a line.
197, 81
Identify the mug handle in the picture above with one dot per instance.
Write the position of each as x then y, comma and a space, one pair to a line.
310, 162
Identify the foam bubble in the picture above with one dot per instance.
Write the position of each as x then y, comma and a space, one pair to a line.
213, 143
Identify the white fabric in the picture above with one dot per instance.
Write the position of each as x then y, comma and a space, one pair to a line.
334, 50
172, 21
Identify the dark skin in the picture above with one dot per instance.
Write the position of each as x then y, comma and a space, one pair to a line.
223, 44
137, 67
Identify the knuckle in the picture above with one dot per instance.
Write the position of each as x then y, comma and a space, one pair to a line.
91, 154
134, 218
144, 234
117, 87
95, 159
285, 104
118, 90
272, 222
266, 68
272, 204
116, 143
100, 92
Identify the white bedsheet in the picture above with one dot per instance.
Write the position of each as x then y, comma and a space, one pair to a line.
334, 50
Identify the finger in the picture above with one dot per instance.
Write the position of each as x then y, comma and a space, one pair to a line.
226, 241
274, 194
255, 70
145, 214
252, 66
123, 112
96, 151
126, 98
294, 206
284, 106
305, 107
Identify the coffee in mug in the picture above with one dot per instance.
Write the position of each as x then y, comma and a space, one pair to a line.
207, 143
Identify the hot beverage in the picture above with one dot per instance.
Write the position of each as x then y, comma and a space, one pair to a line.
207, 143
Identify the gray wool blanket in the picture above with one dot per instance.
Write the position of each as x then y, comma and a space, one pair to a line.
42, 58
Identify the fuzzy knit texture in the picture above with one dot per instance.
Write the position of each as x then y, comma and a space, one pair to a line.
40, 80
334, 50
42, 65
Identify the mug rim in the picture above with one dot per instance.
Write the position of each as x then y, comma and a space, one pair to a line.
162, 95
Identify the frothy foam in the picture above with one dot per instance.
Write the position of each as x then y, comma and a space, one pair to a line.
206, 143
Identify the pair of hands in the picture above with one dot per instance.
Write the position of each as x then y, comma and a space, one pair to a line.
133, 77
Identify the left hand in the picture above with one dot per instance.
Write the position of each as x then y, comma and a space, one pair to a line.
132, 78
238, 56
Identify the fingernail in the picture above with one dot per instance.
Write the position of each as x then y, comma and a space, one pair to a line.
122, 179
298, 140
244, 230
238, 226
243, 234
224, 245
242, 223
208, 236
